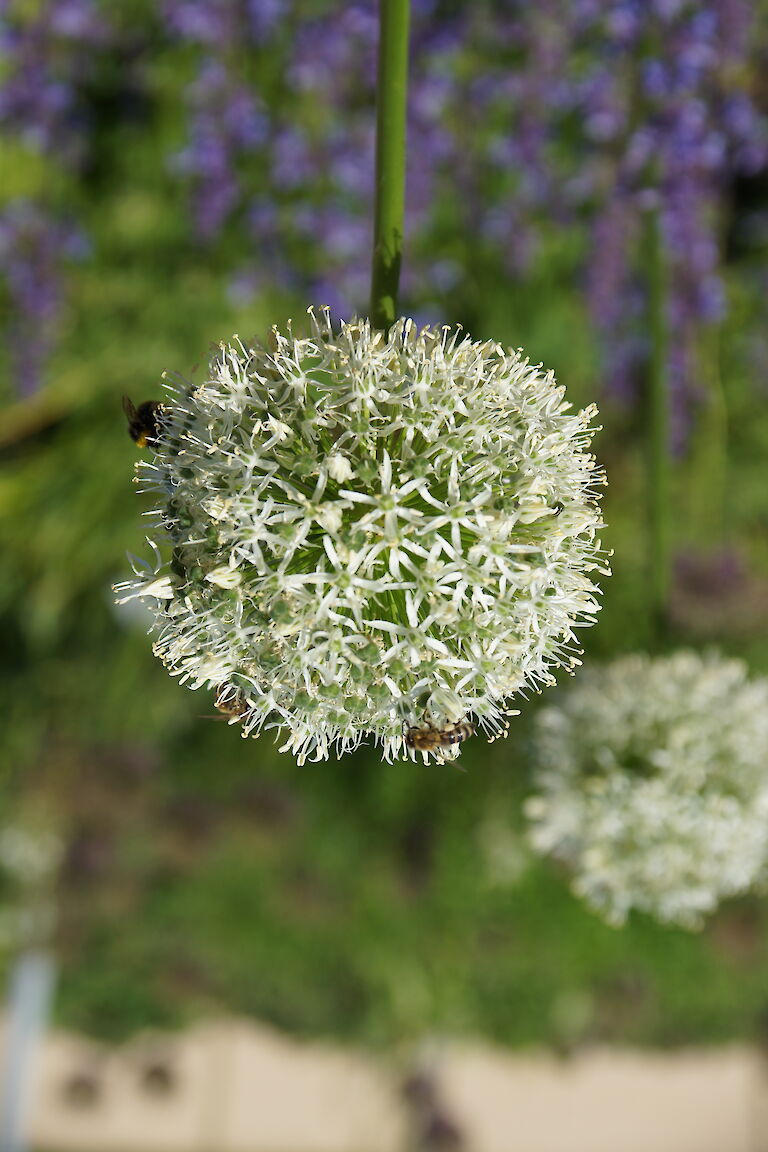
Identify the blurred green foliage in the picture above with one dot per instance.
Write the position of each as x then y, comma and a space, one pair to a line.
375, 902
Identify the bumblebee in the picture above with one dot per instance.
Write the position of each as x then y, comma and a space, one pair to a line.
143, 422
428, 738
232, 705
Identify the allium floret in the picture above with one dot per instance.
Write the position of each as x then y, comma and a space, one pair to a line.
370, 532
652, 779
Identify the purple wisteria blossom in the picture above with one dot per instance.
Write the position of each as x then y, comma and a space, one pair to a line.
299, 179
34, 249
226, 122
570, 119
45, 51
668, 122
590, 113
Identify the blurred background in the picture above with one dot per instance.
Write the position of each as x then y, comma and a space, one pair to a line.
588, 179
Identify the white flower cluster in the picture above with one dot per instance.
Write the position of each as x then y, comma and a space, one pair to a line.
371, 532
29, 859
652, 779
30, 856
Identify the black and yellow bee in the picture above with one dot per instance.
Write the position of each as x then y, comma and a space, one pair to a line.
232, 705
143, 422
431, 739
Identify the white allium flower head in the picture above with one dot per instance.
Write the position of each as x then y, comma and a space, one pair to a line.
30, 854
652, 779
371, 531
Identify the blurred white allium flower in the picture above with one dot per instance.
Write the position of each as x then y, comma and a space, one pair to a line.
30, 855
652, 779
370, 532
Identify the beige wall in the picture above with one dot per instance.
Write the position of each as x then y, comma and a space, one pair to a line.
236, 1087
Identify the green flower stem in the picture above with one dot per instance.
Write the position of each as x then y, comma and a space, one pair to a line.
706, 479
389, 208
659, 470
